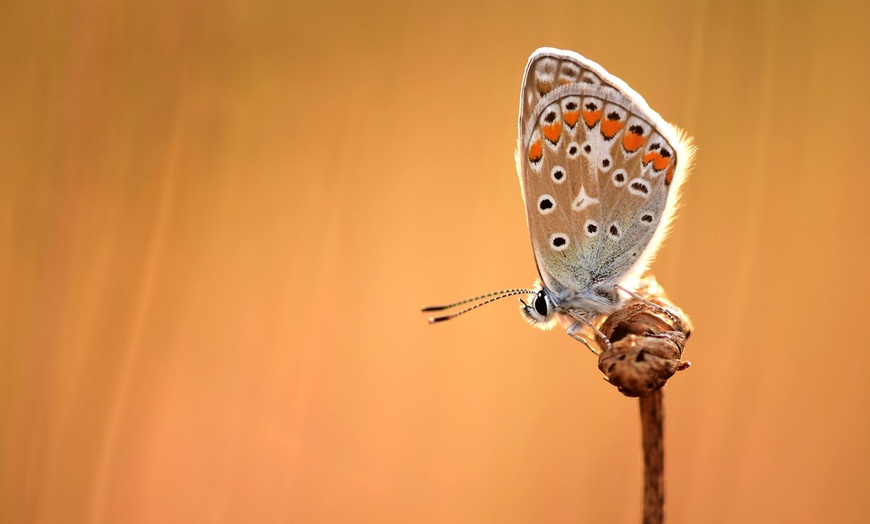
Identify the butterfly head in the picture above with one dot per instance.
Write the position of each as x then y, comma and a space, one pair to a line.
540, 309
547, 308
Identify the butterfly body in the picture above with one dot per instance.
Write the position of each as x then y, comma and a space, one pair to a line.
599, 172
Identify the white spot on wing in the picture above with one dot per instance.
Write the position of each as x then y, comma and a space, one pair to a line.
568, 72
545, 70
591, 228
546, 204
559, 242
639, 187
583, 200
575, 147
614, 231
590, 78
619, 177
558, 175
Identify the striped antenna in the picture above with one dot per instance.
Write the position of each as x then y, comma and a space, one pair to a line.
491, 297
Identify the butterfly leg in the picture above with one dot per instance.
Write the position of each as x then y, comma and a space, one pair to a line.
576, 332
676, 321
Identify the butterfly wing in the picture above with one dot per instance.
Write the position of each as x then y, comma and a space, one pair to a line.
599, 171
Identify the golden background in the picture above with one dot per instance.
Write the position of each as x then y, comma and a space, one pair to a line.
219, 221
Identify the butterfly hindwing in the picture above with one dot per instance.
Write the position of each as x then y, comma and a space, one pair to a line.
598, 169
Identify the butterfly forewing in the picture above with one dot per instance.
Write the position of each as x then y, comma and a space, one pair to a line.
597, 168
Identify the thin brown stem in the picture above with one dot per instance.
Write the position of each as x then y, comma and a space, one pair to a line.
645, 341
652, 428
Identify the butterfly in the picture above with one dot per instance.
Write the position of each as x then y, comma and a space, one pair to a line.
600, 174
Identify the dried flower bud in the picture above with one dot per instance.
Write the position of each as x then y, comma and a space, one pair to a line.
646, 343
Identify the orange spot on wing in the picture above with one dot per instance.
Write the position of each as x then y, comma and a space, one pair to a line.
661, 162
609, 128
571, 118
670, 175
649, 157
544, 87
536, 151
592, 117
632, 142
552, 131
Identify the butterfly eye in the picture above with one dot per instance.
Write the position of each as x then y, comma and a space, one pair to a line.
540, 310
541, 305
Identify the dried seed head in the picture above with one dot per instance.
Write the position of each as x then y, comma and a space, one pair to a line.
646, 344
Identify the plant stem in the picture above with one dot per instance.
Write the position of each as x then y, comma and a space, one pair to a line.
643, 347
652, 429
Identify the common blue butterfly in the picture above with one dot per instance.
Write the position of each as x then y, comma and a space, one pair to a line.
600, 174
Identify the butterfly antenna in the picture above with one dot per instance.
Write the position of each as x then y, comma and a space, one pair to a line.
505, 292
491, 297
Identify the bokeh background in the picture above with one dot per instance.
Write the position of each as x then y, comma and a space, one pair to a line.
219, 221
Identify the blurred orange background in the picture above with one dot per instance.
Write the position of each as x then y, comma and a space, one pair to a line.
220, 219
